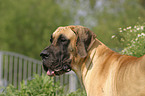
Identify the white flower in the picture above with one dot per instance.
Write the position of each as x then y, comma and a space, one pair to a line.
137, 28
142, 27
123, 51
128, 27
134, 26
120, 28
124, 29
130, 30
120, 31
113, 36
136, 39
138, 35
142, 34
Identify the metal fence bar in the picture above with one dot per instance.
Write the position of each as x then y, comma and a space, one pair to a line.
15, 71
61, 80
20, 71
34, 67
29, 69
72, 82
1, 67
66, 83
25, 70
39, 69
5, 68
10, 69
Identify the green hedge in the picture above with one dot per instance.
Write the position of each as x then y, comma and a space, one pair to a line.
40, 86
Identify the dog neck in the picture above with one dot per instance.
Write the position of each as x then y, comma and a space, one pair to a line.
82, 66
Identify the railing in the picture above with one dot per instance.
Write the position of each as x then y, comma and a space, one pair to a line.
15, 67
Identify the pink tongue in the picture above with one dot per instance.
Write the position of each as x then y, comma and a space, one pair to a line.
50, 73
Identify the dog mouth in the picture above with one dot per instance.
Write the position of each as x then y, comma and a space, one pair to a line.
53, 73
57, 68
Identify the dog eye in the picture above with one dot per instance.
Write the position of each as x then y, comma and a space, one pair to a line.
63, 39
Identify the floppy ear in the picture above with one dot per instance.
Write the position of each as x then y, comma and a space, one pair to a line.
85, 39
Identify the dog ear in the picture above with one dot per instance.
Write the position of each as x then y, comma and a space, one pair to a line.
85, 39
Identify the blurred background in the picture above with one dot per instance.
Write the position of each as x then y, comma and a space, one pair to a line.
26, 26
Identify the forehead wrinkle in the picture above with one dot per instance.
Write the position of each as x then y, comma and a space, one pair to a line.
64, 31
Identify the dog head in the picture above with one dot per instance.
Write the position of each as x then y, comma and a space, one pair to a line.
66, 43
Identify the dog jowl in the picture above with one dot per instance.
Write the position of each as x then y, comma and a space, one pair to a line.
56, 57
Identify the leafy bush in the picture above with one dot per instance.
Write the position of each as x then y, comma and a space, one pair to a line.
79, 92
40, 86
133, 38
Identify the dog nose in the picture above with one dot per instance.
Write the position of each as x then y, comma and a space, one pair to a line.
44, 55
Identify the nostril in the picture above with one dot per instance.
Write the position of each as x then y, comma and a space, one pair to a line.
41, 54
44, 55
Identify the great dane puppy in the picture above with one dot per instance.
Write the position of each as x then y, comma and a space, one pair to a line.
102, 71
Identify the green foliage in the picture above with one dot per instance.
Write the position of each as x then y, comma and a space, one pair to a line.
133, 39
39, 86
26, 25
79, 92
